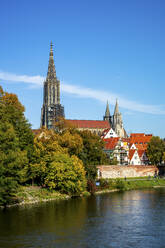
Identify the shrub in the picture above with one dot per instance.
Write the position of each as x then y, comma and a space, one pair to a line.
120, 184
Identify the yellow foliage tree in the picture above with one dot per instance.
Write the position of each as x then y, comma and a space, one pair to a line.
72, 142
66, 174
45, 147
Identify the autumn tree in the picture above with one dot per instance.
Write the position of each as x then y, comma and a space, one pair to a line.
71, 141
45, 146
66, 174
155, 150
14, 114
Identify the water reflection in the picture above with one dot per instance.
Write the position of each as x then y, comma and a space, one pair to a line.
132, 218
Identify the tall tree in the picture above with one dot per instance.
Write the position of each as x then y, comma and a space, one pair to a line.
12, 161
16, 144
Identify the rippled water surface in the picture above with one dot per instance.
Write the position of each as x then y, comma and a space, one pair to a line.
130, 219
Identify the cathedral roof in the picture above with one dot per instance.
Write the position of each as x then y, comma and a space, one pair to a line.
89, 124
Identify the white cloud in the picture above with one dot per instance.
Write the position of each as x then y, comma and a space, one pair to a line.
80, 91
37, 80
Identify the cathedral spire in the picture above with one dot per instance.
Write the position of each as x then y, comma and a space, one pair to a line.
107, 112
51, 67
51, 109
107, 116
116, 111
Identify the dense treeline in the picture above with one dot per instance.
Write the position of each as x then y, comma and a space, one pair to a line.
62, 159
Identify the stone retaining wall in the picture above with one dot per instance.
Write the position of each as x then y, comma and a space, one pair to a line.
117, 171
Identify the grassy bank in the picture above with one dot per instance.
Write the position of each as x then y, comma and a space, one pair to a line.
129, 184
35, 194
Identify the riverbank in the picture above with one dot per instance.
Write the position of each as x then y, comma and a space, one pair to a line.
34, 194
129, 184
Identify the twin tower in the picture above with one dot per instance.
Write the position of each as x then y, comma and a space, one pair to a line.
115, 120
52, 109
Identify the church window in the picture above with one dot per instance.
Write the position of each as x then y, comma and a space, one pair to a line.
53, 94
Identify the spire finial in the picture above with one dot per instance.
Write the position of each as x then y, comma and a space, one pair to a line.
51, 68
107, 112
51, 49
116, 111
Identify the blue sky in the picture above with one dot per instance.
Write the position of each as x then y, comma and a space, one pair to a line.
103, 50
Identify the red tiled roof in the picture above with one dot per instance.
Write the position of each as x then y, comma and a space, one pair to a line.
131, 153
140, 153
89, 124
110, 143
105, 132
140, 140
139, 135
126, 140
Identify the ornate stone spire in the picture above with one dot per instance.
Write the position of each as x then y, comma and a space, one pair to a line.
107, 112
107, 116
116, 111
51, 109
51, 67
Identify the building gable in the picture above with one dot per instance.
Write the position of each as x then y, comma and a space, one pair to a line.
110, 134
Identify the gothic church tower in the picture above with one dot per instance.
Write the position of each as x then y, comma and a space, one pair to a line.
51, 109
107, 116
117, 122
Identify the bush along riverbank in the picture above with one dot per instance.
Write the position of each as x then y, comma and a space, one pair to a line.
107, 185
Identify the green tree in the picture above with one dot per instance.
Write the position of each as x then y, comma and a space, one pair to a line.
45, 147
16, 142
155, 150
66, 174
163, 157
14, 114
12, 162
92, 153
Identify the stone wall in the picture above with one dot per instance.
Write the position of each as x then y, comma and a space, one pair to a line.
117, 171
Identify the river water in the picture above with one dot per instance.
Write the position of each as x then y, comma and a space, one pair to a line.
129, 219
